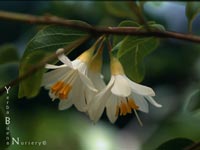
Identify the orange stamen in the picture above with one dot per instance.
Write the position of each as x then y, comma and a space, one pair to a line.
64, 92
56, 87
126, 107
61, 89
123, 109
132, 104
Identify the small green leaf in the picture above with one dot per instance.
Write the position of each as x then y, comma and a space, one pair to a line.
192, 9
132, 53
176, 144
192, 104
154, 26
8, 53
45, 42
120, 9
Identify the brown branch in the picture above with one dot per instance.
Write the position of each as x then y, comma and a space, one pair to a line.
96, 30
90, 29
46, 60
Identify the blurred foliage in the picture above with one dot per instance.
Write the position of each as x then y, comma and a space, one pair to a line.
192, 104
182, 125
177, 143
2, 131
8, 53
120, 9
192, 9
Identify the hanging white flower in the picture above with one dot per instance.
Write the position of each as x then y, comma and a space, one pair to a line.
69, 83
121, 96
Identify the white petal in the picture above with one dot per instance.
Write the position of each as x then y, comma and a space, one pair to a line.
87, 82
89, 95
64, 104
80, 65
152, 101
52, 96
140, 89
121, 86
79, 96
141, 102
97, 106
111, 108
64, 59
49, 66
53, 76
97, 80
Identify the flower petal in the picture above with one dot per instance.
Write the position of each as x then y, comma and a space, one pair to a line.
79, 98
53, 76
140, 89
89, 95
64, 104
87, 82
49, 66
64, 59
80, 65
111, 108
152, 101
97, 80
121, 86
52, 96
141, 102
96, 107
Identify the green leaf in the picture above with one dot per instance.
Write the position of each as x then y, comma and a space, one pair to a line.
8, 53
120, 9
30, 86
133, 49
177, 143
45, 42
192, 9
192, 104
51, 38
132, 53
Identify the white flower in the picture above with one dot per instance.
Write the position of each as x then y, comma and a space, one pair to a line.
69, 83
94, 71
120, 96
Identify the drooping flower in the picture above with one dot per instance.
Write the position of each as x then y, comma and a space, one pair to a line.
69, 82
94, 71
121, 96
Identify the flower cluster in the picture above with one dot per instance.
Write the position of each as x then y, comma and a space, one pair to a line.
80, 83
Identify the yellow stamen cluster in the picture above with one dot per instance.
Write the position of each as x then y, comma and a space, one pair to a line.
126, 107
61, 89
